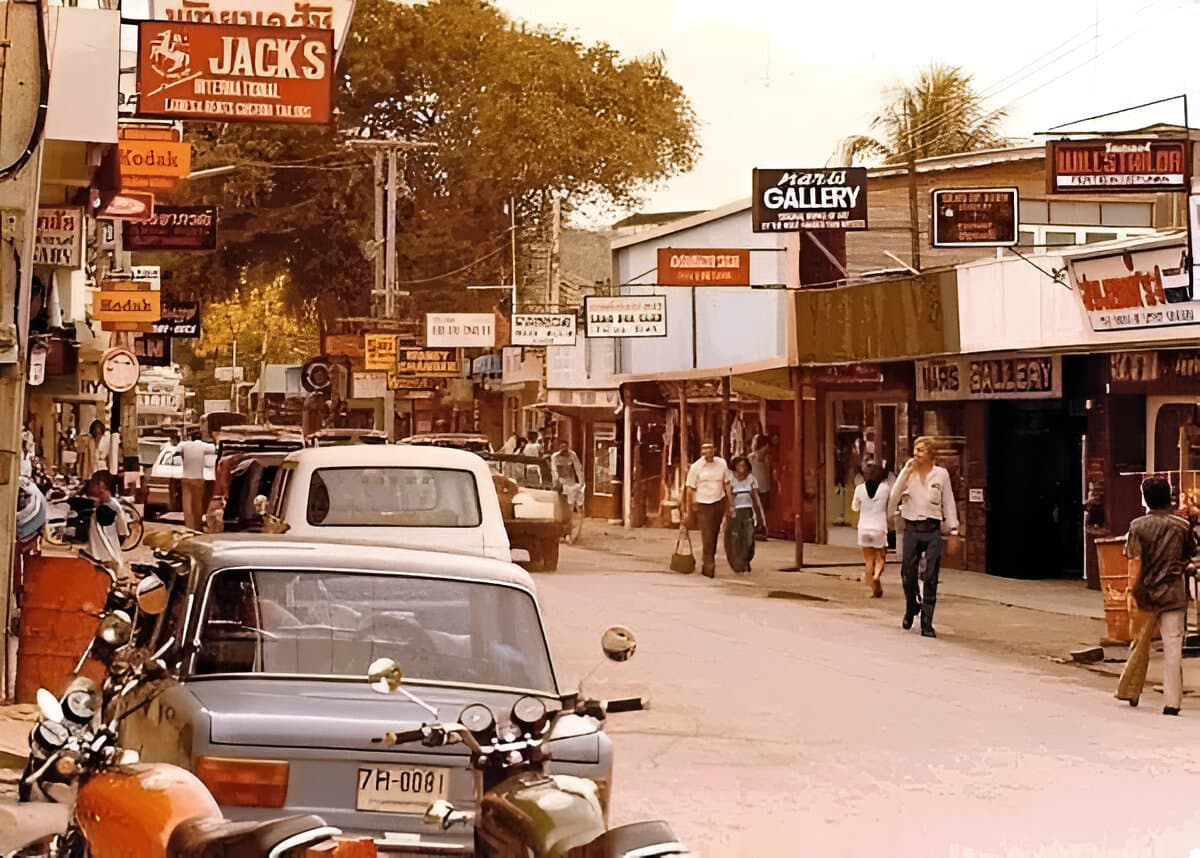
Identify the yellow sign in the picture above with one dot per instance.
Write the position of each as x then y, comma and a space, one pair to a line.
163, 158
113, 305
380, 351
396, 381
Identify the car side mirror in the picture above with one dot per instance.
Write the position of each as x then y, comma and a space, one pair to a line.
385, 676
261, 504
618, 643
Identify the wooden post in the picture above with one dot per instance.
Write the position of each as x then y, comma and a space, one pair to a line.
798, 458
685, 453
627, 459
726, 423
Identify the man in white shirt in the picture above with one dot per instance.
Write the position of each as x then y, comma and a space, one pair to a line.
925, 499
709, 498
533, 447
194, 454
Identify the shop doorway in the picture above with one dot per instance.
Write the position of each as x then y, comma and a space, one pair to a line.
861, 432
1035, 502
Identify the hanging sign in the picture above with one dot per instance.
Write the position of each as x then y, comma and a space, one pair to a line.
1012, 377
180, 319
431, 363
1136, 289
126, 205
395, 381
153, 159
625, 316
121, 305
794, 200
153, 349
328, 15
151, 274
460, 330
379, 351
974, 217
234, 73
1116, 165
369, 385
174, 228
119, 370
543, 329
703, 267
59, 237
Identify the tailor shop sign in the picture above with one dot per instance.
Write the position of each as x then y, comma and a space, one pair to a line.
795, 200
1015, 377
1136, 289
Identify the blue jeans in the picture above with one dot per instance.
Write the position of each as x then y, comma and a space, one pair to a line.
921, 600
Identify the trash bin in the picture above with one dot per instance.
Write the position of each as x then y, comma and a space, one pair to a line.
1114, 586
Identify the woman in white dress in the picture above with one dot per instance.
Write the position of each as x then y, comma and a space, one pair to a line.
870, 502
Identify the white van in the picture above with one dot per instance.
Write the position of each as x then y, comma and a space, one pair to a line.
417, 497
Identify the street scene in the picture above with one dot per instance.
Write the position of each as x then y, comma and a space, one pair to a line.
515, 428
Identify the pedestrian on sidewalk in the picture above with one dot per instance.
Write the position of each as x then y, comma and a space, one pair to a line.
871, 503
745, 509
708, 500
925, 499
1160, 547
194, 454
761, 461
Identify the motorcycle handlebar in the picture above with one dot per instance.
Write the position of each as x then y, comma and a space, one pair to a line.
627, 704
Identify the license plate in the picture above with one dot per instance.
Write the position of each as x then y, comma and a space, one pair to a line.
400, 789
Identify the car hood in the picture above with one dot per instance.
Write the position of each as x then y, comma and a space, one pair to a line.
332, 715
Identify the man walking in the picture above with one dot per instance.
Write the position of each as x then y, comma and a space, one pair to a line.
924, 497
194, 453
1160, 547
533, 447
709, 499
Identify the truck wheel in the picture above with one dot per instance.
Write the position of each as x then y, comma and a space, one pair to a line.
549, 552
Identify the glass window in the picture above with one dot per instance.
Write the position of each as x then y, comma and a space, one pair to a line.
1035, 211
1167, 423
1026, 238
1093, 237
318, 623
1060, 239
1125, 214
393, 497
1081, 214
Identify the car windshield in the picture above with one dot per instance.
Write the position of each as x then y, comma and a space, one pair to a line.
317, 623
393, 497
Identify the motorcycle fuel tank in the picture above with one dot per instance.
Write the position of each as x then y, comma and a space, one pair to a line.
548, 815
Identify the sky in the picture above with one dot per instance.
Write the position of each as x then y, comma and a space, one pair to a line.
777, 83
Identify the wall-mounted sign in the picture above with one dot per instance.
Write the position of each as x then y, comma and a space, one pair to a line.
1136, 289
974, 495
794, 200
119, 370
315, 374
126, 205
974, 217
328, 15
396, 381
369, 385
1138, 368
543, 329
59, 237
460, 330
180, 319
1010, 377
431, 363
234, 73
151, 274
174, 228
379, 351
486, 366
117, 306
625, 316
679, 266
143, 159
160, 403
153, 349
1135, 165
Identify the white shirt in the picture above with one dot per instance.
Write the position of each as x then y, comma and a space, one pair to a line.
194, 454
104, 542
533, 448
743, 491
708, 479
872, 511
931, 498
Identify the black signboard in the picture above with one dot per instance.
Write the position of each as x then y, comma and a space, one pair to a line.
974, 217
174, 228
1115, 165
179, 319
795, 200
153, 349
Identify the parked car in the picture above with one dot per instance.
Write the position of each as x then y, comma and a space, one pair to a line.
474, 442
246, 468
334, 437
426, 497
535, 515
269, 705
164, 486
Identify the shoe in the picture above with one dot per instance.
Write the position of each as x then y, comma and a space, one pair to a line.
908, 621
928, 632
1170, 710
709, 572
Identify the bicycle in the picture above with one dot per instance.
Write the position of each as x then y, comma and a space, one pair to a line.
137, 527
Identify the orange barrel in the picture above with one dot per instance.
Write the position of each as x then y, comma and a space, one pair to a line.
60, 608
1114, 585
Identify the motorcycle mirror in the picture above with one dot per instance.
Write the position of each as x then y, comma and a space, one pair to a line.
115, 630
618, 643
49, 706
260, 505
385, 676
152, 595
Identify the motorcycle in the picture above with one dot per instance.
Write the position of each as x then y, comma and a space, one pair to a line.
70, 517
523, 811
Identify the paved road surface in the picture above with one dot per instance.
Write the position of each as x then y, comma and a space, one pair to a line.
784, 727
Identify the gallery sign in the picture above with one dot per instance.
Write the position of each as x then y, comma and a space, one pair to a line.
1135, 165
543, 329
174, 228
431, 363
625, 316
703, 267
1009, 377
180, 319
1136, 289
974, 217
795, 200
59, 238
234, 73
460, 330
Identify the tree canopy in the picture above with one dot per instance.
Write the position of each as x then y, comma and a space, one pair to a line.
514, 111
939, 113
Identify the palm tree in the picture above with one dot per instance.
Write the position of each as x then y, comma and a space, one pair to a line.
938, 114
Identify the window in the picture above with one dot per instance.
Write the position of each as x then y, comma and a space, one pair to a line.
320, 623
1093, 237
393, 497
1037, 236
1060, 239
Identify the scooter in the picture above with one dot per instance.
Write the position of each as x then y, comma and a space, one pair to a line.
524, 812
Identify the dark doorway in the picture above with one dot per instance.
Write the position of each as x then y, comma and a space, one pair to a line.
1035, 527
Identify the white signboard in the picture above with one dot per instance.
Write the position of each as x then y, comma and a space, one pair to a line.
151, 274
369, 385
460, 330
323, 15
625, 316
161, 403
543, 329
59, 237
1137, 289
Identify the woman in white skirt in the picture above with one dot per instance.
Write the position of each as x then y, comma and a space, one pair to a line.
870, 502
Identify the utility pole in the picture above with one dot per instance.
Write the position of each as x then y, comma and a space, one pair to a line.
554, 263
914, 212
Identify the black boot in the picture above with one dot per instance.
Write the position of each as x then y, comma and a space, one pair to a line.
911, 612
927, 620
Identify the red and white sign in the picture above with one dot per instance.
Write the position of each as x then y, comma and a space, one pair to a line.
235, 73
330, 15
1136, 289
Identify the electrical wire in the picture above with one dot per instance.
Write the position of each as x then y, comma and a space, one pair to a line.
39, 124
458, 270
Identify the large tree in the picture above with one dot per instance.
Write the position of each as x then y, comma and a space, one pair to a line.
940, 113
515, 112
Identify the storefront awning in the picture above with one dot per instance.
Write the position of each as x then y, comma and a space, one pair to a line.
705, 372
765, 384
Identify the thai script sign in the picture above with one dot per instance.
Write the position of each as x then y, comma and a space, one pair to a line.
235, 73
1116, 165
974, 217
794, 200
625, 316
174, 228
1136, 289
460, 330
329, 15
543, 329
59, 237
1009, 377
703, 267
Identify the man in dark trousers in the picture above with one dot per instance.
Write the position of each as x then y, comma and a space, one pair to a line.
709, 500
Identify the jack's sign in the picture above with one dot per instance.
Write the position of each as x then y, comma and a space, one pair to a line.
235, 73
795, 200
1116, 165
1136, 289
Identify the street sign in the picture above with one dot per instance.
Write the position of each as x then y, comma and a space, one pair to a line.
180, 319
119, 370
151, 274
379, 351
1116, 165
230, 373
974, 217
126, 305
430, 363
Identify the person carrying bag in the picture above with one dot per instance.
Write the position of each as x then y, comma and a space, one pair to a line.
683, 561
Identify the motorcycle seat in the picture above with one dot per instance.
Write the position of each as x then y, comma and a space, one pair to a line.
641, 839
220, 838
